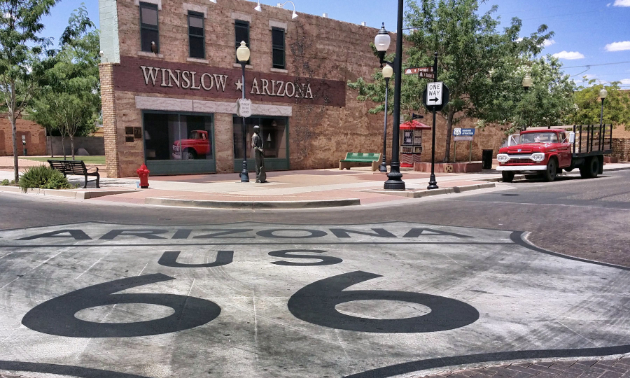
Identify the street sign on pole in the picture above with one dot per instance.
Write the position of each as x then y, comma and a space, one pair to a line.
445, 98
463, 139
425, 75
463, 132
434, 94
419, 70
244, 108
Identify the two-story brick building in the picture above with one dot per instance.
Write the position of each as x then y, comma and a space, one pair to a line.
170, 81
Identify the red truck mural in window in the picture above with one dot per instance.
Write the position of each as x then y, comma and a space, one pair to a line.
196, 147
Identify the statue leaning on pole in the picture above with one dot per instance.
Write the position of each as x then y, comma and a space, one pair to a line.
257, 145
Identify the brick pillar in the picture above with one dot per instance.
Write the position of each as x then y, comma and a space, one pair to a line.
108, 101
223, 142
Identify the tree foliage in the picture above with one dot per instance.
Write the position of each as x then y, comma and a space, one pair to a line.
69, 100
482, 66
21, 49
588, 105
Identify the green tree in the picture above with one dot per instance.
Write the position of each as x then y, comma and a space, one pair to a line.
70, 98
548, 102
588, 105
20, 51
470, 49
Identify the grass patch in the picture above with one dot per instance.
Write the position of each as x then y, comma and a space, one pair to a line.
99, 160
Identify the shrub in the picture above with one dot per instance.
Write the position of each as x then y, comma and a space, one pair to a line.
4, 183
43, 177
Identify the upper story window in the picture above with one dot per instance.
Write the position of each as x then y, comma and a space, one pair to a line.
277, 42
149, 32
241, 29
196, 35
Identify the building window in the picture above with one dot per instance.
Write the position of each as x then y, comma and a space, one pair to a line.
277, 38
196, 35
241, 29
182, 137
149, 33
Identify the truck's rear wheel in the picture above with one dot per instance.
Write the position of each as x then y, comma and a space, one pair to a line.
508, 176
552, 170
590, 169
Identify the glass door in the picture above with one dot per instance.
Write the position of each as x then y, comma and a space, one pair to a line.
275, 134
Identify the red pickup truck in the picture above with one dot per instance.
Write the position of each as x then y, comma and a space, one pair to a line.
548, 151
197, 146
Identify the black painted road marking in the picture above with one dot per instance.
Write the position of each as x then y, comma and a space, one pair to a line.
288, 254
315, 303
73, 371
57, 316
170, 259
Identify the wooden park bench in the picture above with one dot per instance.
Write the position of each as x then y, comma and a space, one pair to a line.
360, 157
74, 167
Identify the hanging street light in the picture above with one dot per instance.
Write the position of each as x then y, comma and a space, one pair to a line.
281, 5
382, 42
243, 54
388, 72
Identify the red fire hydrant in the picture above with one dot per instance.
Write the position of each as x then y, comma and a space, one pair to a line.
143, 173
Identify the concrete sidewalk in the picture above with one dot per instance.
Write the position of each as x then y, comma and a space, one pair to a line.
286, 189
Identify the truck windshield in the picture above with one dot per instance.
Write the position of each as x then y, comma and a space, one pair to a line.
539, 138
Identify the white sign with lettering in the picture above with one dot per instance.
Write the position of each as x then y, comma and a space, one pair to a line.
244, 108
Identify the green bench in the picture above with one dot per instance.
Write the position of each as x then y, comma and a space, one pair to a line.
360, 157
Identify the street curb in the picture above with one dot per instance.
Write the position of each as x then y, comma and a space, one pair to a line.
65, 193
252, 205
435, 192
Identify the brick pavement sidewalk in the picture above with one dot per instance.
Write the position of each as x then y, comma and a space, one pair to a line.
595, 368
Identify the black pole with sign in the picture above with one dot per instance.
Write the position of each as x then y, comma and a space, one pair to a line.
433, 181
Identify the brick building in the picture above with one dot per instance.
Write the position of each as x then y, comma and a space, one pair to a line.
34, 135
170, 82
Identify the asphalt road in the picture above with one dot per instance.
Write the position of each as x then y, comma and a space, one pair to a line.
442, 282
585, 218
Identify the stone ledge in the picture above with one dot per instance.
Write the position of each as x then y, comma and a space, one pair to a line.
80, 195
474, 167
252, 205
435, 192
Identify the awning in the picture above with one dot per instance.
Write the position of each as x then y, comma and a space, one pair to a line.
414, 125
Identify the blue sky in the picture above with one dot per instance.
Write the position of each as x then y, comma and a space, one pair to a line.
587, 32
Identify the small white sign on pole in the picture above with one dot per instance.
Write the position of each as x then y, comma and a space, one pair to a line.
434, 94
244, 108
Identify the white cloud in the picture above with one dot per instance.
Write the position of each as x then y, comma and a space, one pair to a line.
622, 3
618, 46
569, 55
625, 81
549, 42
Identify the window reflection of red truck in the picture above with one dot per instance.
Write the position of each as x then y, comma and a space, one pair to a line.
548, 151
197, 146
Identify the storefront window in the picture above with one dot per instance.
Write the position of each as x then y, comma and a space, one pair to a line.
177, 137
272, 130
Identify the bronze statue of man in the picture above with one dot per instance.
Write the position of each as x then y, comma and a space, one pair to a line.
257, 145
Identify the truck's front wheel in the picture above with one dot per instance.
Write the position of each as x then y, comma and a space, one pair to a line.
590, 169
508, 176
552, 170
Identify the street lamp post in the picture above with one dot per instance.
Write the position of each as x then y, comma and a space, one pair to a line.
527, 83
243, 54
602, 94
382, 42
388, 72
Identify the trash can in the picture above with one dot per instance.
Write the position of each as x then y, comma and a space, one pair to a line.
486, 159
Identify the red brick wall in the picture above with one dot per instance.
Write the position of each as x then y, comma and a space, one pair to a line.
621, 148
316, 48
35, 137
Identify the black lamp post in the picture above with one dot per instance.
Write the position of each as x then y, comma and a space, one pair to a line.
382, 42
388, 72
243, 54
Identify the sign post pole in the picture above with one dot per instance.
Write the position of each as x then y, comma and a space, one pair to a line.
455, 147
470, 151
433, 181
